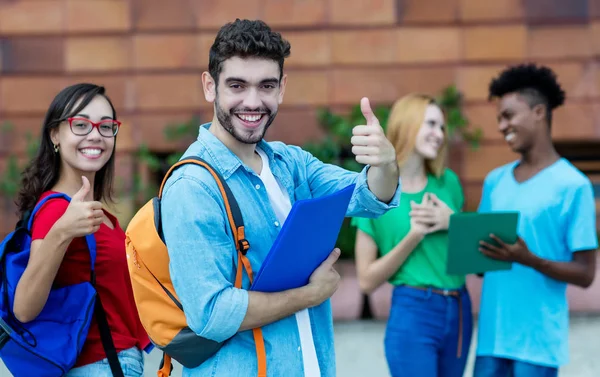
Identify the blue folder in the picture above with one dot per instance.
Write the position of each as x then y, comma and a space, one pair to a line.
306, 239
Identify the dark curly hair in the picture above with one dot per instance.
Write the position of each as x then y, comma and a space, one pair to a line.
43, 170
245, 38
537, 84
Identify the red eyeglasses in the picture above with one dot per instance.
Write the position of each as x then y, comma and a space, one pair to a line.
84, 126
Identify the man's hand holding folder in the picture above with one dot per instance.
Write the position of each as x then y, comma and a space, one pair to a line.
325, 280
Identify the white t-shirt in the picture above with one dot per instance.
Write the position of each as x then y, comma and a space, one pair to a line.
282, 206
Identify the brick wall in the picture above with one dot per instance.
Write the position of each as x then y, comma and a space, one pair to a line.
150, 53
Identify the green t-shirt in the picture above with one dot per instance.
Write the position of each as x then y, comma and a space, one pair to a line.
426, 265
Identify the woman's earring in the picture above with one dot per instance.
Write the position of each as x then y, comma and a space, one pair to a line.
56, 148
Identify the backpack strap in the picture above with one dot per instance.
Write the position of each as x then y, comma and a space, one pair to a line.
236, 223
104, 329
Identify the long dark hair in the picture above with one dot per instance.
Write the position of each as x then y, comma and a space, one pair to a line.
43, 170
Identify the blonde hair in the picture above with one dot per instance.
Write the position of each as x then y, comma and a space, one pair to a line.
405, 120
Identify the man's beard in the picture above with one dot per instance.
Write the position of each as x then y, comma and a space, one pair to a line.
226, 122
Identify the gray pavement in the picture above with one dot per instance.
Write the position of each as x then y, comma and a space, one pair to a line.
359, 350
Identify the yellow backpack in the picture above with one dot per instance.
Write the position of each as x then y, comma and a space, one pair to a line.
158, 307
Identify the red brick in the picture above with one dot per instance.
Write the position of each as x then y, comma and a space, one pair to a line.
154, 92
495, 42
216, 13
149, 129
428, 11
374, 12
477, 10
33, 54
308, 49
576, 121
483, 116
473, 81
29, 94
98, 15
31, 17
295, 126
165, 51
126, 141
364, 46
428, 45
560, 41
204, 42
307, 88
384, 86
479, 162
472, 192
161, 14
98, 53
294, 12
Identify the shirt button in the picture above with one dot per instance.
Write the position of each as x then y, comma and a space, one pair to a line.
257, 187
276, 223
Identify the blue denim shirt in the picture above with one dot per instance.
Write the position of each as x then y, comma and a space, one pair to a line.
203, 258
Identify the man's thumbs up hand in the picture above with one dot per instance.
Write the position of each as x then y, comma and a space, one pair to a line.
369, 144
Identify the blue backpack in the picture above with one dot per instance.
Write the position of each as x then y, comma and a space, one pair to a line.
49, 345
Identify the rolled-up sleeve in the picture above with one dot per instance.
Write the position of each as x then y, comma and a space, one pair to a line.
325, 179
202, 252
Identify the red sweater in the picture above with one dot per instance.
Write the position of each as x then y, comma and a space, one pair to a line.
112, 280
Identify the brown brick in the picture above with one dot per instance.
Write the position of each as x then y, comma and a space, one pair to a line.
118, 89
477, 10
560, 41
384, 86
307, 88
33, 54
204, 41
364, 46
160, 14
98, 15
428, 44
216, 13
126, 141
483, 115
16, 140
472, 191
576, 121
165, 51
473, 81
596, 37
375, 12
553, 10
154, 92
28, 94
295, 126
294, 12
350, 85
98, 53
495, 42
428, 11
579, 80
149, 129
308, 49
479, 162
31, 17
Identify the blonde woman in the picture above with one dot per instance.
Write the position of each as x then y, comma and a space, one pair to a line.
429, 328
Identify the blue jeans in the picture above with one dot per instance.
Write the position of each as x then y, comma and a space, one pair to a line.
489, 366
132, 364
422, 336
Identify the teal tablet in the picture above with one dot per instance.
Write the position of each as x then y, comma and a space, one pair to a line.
467, 229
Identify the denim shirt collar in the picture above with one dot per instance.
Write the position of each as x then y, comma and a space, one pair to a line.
224, 159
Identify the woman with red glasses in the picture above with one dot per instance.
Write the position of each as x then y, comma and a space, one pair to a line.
77, 157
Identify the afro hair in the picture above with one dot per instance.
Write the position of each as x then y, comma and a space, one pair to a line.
538, 84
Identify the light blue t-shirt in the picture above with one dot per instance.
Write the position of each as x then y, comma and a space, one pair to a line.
524, 314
